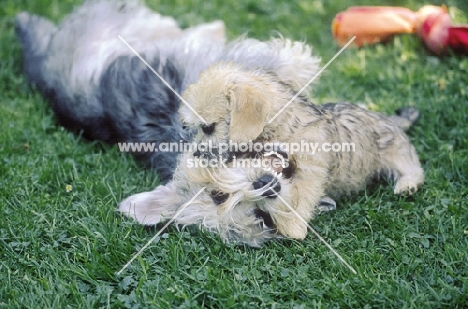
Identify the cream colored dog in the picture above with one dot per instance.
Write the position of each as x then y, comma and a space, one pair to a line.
248, 203
243, 105
239, 202
229, 201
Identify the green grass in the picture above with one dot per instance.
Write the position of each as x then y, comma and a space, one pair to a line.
62, 249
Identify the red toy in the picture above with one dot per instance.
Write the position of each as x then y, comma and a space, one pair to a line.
377, 24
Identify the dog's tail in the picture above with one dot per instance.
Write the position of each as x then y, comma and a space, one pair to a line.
405, 117
34, 33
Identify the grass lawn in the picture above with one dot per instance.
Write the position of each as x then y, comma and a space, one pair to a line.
62, 248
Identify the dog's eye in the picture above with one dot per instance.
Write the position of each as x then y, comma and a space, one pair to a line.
208, 129
219, 197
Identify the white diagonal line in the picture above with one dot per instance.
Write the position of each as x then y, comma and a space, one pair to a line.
316, 234
313, 78
162, 79
160, 231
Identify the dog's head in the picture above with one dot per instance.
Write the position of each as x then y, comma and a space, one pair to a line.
268, 190
239, 203
229, 104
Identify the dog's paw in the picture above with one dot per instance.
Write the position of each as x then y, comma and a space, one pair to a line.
326, 204
141, 208
291, 228
215, 30
407, 186
410, 113
153, 207
150, 208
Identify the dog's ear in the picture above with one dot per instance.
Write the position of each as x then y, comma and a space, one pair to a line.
249, 108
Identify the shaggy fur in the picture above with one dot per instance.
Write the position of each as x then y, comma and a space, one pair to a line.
99, 88
230, 208
238, 104
243, 204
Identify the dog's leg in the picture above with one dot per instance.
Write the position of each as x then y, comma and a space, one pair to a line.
411, 175
164, 203
215, 30
326, 204
308, 188
35, 34
405, 117
401, 160
153, 207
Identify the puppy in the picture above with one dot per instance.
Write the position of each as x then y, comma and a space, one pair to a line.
230, 203
242, 106
238, 202
99, 88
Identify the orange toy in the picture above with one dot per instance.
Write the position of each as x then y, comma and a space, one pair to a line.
378, 24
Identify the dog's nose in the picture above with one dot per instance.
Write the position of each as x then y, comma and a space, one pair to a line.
197, 153
208, 129
274, 187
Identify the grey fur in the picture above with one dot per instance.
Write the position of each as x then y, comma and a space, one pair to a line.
97, 86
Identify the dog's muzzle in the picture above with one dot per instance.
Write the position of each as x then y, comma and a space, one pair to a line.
271, 185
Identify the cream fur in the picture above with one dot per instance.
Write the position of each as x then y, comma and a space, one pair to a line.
240, 103
239, 95
234, 220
